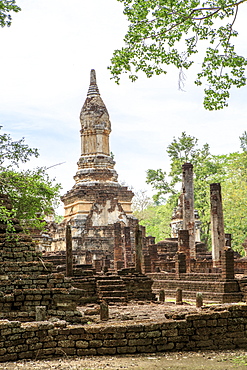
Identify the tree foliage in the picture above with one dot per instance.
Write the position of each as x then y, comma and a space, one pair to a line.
230, 170
156, 218
31, 192
6, 7
163, 33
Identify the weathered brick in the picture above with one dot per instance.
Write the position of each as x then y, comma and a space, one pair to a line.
139, 342
81, 344
106, 351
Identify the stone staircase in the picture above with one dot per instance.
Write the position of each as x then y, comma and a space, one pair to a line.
111, 289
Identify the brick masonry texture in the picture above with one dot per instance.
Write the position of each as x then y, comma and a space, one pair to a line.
208, 330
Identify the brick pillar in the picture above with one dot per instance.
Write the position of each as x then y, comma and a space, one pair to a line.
179, 296
153, 253
180, 263
188, 206
147, 263
127, 247
118, 250
107, 263
227, 263
88, 258
184, 246
138, 248
69, 255
97, 264
244, 245
150, 240
228, 240
217, 223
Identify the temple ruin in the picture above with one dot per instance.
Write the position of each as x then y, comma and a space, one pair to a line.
97, 202
107, 238
55, 289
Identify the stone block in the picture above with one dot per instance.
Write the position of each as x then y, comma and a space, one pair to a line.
139, 342
115, 342
165, 347
106, 351
95, 343
126, 349
86, 352
81, 344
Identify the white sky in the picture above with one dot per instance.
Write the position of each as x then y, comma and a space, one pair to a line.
46, 58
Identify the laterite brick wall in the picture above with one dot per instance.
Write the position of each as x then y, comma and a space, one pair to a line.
209, 330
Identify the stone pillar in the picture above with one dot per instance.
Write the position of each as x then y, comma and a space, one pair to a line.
88, 258
104, 311
138, 249
97, 264
180, 263
227, 263
127, 247
118, 249
217, 223
153, 253
188, 206
69, 254
147, 263
179, 296
162, 295
199, 300
184, 246
107, 263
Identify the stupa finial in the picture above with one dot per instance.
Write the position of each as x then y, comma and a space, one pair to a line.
93, 88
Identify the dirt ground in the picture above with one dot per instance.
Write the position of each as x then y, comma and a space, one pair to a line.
175, 361
212, 360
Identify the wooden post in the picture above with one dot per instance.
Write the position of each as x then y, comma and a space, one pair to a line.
69, 254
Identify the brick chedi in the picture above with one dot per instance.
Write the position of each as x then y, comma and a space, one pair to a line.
97, 201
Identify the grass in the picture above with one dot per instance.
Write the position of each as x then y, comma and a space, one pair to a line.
239, 360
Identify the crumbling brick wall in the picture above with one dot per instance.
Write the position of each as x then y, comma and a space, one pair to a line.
225, 329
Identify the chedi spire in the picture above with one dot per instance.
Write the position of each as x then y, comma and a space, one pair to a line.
93, 88
95, 163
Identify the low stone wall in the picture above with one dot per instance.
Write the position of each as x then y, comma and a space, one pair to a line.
212, 286
209, 330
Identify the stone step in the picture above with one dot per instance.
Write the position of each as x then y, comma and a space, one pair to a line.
110, 300
109, 282
109, 277
111, 287
114, 293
